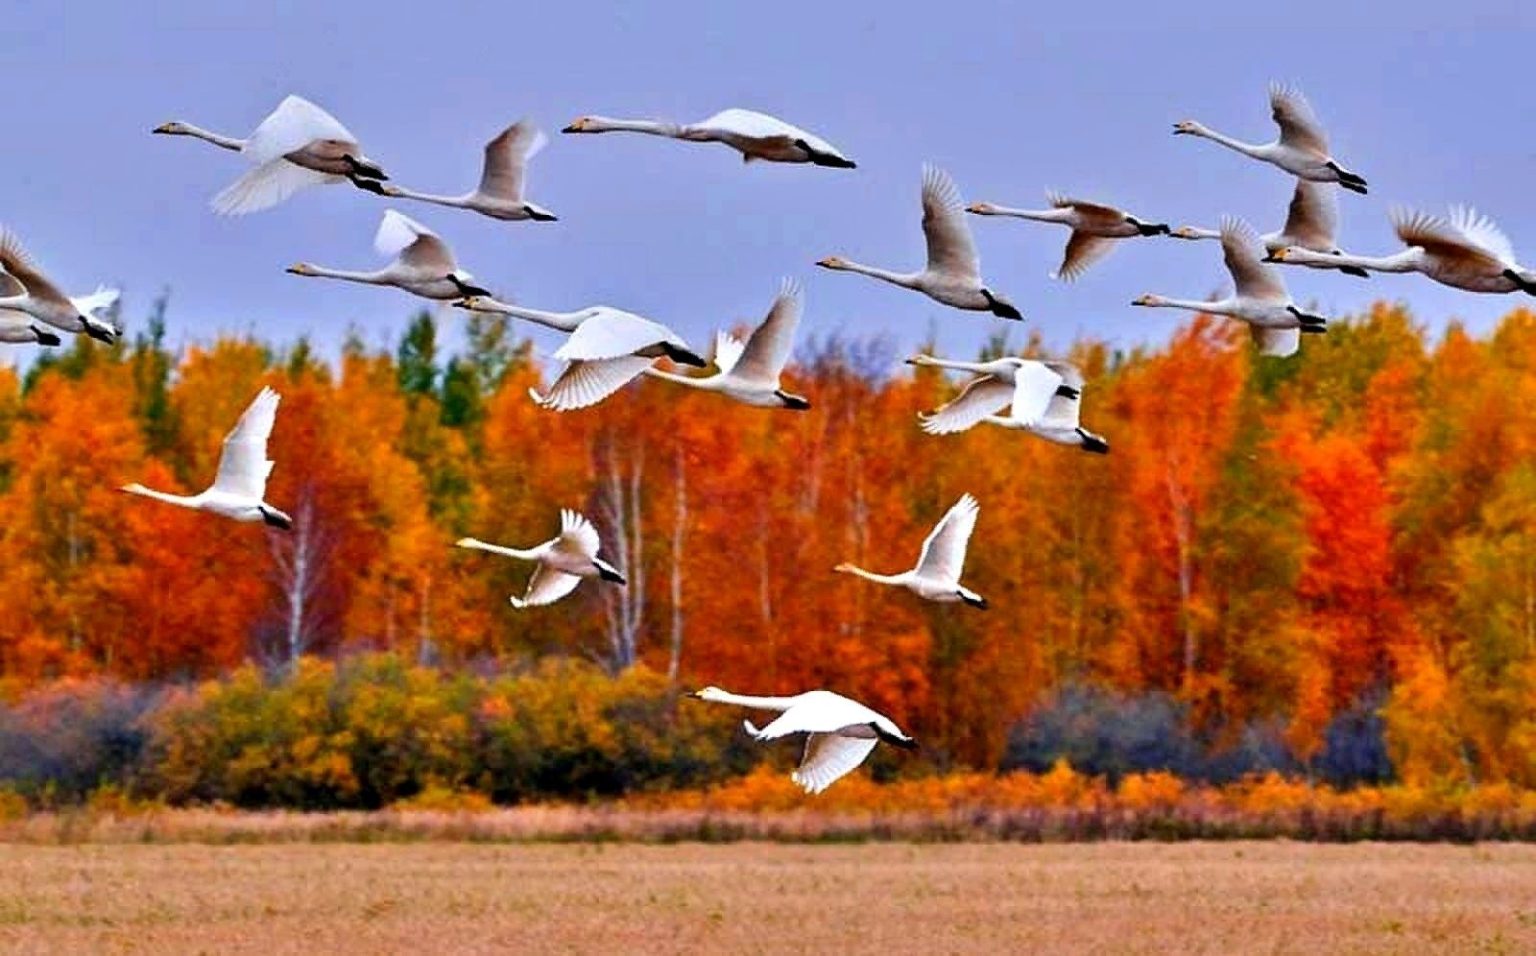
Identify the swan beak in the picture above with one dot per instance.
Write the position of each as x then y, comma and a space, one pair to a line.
297, 269
696, 695
471, 302
162, 128
979, 208
578, 125
1277, 256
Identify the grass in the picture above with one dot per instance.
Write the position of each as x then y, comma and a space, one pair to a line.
1228, 897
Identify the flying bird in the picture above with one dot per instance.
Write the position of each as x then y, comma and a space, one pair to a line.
562, 561
503, 178
26, 290
1095, 228
937, 575
953, 273
297, 146
423, 264
840, 733
754, 135
1043, 398
1310, 223
1302, 148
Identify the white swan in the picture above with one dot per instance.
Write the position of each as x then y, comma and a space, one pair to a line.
503, 178
25, 288
1467, 251
1094, 228
1301, 150
840, 732
1044, 400
937, 575
562, 561
953, 273
606, 350
749, 373
241, 483
423, 264
755, 135
1260, 300
298, 145
1310, 223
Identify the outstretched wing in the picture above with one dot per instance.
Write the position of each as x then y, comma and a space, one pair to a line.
293, 125
20, 266
577, 533
829, 757
546, 587
102, 298
611, 333
1483, 232
1299, 126
943, 554
1441, 239
586, 382
1312, 218
243, 466
951, 249
415, 245
728, 349
1096, 213
265, 186
1276, 342
1083, 250
767, 350
1252, 278
1067, 399
982, 396
1035, 384
505, 174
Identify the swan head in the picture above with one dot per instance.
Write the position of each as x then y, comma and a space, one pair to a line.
833, 262
1185, 232
1187, 128
1147, 299
301, 269
582, 124
981, 208
708, 693
1280, 254
172, 128
844, 568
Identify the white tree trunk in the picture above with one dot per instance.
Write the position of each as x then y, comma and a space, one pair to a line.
621, 505
679, 526
299, 559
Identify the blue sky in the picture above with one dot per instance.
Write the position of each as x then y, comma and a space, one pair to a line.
1010, 97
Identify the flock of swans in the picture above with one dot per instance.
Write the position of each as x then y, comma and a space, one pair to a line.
300, 145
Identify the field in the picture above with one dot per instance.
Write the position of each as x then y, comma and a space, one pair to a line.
1271, 897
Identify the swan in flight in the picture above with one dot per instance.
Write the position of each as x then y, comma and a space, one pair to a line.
26, 289
1466, 251
1301, 150
840, 733
937, 575
1310, 223
1094, 228
241, 483
1261, 299
749, 373
1044, 399
423, 263
502, 179
755, 135
607, 349
297, 146
953, 273
562, 561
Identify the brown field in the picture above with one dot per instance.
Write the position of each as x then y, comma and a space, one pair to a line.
754, 897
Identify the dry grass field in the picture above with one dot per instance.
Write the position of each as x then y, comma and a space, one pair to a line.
751, 897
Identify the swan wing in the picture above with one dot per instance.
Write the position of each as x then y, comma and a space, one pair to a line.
1299, 125
1313, 216
265, 186
1091, 212
243, 465
1441, 239
611, 333
1035, 385
767, 349
951, 250
415, 245
586, 382
728, 349
1066, 399
943, 554
577, 534
1083, 250
1251, 277
505, 174
102, 298
546, 586
1276, 342
982, 396
829, 757
17, 263
293, 125
751, 123
1483, 232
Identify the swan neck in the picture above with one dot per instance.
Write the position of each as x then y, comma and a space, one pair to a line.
371, 278
458, 202
1217, 307
562, 321
1038, 215
761, 703
906, 280
183, 501
687, 380
209, 136
1250, 149
872, 576
604, 124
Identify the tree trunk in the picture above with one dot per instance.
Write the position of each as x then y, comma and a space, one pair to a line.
679, 525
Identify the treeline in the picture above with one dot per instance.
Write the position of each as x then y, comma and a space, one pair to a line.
1280, 548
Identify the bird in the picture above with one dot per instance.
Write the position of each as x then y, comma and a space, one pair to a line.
1045, 399
26, 289
607, 349
757, 136
1301, 150
937, 575
1465, 251
562, 561
241, 483
953, 273
296, 146
749, 373
1094, 228
840, 732
1310, 223
1261, 299
423, 263
25, 332
503, 178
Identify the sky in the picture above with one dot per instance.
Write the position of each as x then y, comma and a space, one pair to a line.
1425, 100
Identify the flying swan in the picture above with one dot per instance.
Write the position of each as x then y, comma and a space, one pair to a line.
1094, 227
26, 289
755, 135
562, 561
503, 178
953, 273
840, 733
1310, 223
1044, 398
1301, 150
937, 575
423, 263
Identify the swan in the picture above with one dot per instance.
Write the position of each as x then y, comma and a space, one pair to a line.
241, 482
502, 179
13, 332
1310, 223
25, 288
1045, 399
562, 561
1094, 227
1261, 299
953, 273
298, 145
840, 732
755, 135
606, 350
1467, 251
1301, 150
423, 264
749, 373
937, 575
